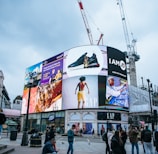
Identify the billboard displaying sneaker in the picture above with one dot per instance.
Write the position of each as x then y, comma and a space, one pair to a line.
85, 60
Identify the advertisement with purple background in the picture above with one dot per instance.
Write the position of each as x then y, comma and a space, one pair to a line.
51, 67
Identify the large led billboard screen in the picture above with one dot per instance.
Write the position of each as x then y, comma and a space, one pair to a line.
85, 60
116, 63
113, 90
46, 89
74, 97
76, 78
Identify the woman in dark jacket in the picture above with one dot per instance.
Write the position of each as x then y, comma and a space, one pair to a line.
47, 136
116, 144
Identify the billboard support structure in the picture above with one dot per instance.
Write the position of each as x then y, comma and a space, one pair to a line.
150, 100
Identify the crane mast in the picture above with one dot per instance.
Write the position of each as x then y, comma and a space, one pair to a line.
131, 53
119, 3
86, 22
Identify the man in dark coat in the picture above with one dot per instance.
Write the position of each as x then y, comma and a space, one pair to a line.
133, 137
70, 135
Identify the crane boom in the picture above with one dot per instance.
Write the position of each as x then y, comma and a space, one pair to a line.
119, 3
101, 35
131, 54
86, 22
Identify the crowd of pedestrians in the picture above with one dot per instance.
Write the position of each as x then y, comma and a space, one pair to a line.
115, 140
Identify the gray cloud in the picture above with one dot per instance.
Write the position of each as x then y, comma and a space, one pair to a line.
34, 30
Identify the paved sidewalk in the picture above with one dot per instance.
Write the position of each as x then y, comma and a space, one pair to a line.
82, 145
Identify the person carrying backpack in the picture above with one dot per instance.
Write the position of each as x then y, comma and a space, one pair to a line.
133, 138
146, 138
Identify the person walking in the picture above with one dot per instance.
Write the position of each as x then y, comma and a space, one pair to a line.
133, 137
70, 135
123, 136
146, 138
110, 134
116, 143
105, 139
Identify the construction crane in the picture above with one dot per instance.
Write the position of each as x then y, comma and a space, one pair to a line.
87, 25
131, 48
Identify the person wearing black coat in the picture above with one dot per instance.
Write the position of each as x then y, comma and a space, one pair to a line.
116, 144
47, 137
52, 132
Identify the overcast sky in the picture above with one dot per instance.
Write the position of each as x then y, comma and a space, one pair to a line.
34, 30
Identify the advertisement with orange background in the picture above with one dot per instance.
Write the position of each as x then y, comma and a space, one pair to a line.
32, 103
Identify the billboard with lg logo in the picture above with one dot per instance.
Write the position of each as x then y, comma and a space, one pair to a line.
116, 63
76, 78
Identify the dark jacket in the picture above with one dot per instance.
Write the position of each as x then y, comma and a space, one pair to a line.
2, 118
116, 145
48, 148
156, 140
123, 136
51, 133
133, 135
146, 135
47, 136
70, 135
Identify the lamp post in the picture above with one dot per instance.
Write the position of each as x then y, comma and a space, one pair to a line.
149, 90
107, 122
25, 133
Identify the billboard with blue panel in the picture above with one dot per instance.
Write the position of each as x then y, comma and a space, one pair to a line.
46, 90
76, 78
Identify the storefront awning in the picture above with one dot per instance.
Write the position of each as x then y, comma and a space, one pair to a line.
11, 113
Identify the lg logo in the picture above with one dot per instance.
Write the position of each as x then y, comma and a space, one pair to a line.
120, 63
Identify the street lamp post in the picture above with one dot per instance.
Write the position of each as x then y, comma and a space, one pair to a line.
25, 133
107, 122
149, 90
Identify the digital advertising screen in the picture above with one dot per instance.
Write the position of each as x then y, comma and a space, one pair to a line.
77, 78
116, 63
52, 69
80, 92
46, 86
117, 92
85, 60
33, 74
113, 90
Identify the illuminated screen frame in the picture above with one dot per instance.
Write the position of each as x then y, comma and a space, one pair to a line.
62, 72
